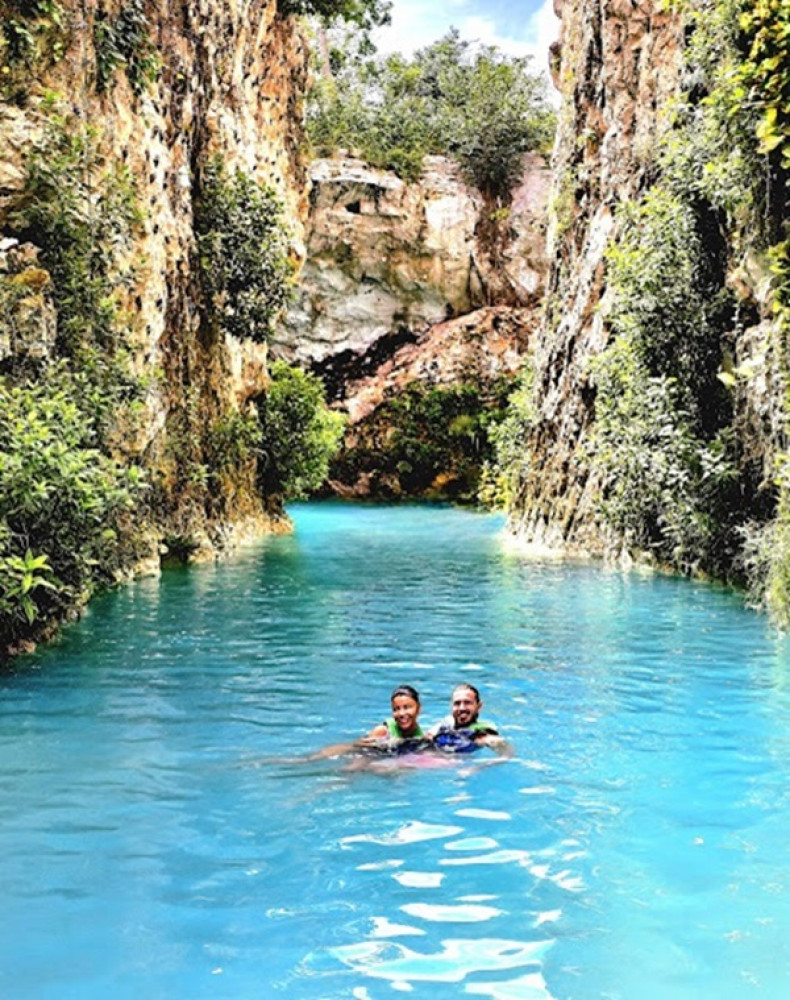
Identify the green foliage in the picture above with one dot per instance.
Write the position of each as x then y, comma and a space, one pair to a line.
394, 133
23, 576
738, 156
765, 74
668, 487
31, 34
660, 442
475, 104
24, 26
427, 440
19, 41
233, 441
435, 431
666, 276
495, 111
82, 214
503, 474
299, 434
63, 504
767, 554
124, 40
243, 252
712, 152
366, 14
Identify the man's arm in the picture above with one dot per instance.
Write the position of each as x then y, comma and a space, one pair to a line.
496, 743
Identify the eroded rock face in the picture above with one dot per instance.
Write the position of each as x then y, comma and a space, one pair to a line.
478, 348
412, 287
230, 83
388, 260
616, 65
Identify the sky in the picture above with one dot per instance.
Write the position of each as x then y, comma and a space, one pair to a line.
517, 27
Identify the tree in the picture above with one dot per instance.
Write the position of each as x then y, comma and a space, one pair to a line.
366, 14
493, 110
483, 108
300, 434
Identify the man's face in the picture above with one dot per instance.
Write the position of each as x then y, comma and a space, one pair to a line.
465, 707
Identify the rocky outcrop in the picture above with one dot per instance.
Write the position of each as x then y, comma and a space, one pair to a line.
642, 123
386, 259
413, 287
225, 79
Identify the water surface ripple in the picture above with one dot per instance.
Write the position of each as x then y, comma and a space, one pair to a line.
161, 834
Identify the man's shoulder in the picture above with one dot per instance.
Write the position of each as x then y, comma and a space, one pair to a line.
485, 726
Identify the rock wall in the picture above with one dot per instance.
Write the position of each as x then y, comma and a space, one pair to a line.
413, 285
616, 65
230, 80
386, 260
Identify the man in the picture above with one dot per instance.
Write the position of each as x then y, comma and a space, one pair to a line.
463, 731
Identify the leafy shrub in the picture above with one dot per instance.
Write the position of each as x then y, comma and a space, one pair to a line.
63, 504
427, 439
243, 252
299, 434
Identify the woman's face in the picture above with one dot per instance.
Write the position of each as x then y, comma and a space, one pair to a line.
405, 711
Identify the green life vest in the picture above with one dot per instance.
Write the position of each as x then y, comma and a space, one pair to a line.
396, 733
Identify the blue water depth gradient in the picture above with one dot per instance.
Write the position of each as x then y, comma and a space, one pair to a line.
162, 835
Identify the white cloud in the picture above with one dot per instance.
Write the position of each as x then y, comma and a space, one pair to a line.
416, 24
544, 26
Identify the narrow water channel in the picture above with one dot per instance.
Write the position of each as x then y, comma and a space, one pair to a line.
160, 835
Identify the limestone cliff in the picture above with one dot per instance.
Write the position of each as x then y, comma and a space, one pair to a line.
386, 257
616, 65
162, 88
619, 66
410, 284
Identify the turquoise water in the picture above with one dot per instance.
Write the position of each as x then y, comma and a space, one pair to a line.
161, 837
